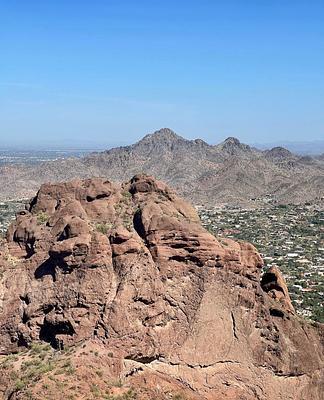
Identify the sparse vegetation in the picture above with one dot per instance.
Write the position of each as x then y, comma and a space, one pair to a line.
95, 390
39, 363
178, 396
129, 395
42, 218
127, 195
103, 227
12, 260
117, 383
39, 348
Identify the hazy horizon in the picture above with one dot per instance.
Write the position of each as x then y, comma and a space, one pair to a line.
313, 147
80, 74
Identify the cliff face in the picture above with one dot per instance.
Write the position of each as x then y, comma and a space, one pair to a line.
128, 270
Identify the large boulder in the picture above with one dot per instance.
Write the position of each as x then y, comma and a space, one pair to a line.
130, 268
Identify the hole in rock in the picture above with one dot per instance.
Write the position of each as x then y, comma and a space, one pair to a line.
276, 313
269, 282
49, 331
98, 197
141, 358
138, 224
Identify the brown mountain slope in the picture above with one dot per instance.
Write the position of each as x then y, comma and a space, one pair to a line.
140, 301
204, 174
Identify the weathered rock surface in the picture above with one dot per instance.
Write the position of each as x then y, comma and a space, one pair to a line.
129, 268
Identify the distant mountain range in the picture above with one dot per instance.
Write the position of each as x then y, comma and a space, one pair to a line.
229, 172
314, 148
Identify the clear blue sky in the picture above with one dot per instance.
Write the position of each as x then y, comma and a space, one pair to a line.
100, 72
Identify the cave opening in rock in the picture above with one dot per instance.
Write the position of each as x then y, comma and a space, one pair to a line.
49, 332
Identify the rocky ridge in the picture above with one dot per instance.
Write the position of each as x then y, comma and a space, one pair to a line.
230, 172
128, 271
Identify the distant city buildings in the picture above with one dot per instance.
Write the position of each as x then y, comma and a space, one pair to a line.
289, 236
8, 211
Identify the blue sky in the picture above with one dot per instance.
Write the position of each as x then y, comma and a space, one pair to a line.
98, 73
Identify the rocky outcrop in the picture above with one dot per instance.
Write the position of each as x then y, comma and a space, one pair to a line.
130, 268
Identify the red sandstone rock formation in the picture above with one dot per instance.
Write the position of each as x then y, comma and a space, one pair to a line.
131, 269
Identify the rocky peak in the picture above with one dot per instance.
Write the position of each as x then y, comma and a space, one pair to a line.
233, 146
129, 268
232, 141
163, 136
201, 143
278, 153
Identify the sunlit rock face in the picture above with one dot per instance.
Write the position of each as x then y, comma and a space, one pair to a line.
130, 268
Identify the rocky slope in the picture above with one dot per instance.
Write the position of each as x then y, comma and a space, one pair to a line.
134, 299
230, 172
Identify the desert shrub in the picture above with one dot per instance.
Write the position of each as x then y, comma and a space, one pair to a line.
42, 218
127, 195
129, 395
178, 397
103, 227
95, 390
